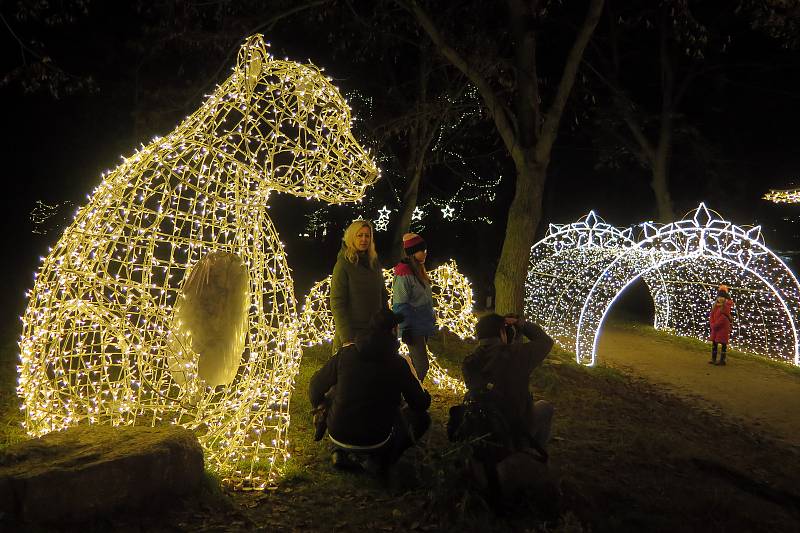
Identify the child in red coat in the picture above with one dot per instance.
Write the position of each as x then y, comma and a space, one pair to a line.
720, 319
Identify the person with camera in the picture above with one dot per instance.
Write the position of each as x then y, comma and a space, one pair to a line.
499, 415
357, 397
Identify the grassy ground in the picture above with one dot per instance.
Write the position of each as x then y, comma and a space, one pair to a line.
630, 456
696, 345
10, 415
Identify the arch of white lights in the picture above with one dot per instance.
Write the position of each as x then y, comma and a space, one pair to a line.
119, 330
577, 271
452, 294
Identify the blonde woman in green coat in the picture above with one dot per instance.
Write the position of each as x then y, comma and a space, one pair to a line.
357, 287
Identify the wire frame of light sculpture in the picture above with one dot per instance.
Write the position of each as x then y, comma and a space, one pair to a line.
788, 196
579, 270
120, 330
452, 294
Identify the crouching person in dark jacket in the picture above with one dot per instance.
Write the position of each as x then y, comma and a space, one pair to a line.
509, 431
361, 387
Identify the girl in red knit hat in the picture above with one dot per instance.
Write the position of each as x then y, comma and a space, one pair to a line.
412, 297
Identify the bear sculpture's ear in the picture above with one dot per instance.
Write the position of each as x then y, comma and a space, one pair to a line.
251, 60
253, 71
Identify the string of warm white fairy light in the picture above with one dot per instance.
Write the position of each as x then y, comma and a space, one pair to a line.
119, 330
452, 293
578, 270
788, 196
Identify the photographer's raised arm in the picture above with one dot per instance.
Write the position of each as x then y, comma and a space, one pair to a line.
539, 346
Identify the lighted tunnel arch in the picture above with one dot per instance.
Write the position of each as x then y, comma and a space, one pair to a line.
681, 263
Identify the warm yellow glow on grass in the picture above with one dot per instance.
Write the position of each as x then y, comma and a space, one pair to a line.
101, 340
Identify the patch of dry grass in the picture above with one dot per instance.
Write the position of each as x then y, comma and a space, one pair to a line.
631, 458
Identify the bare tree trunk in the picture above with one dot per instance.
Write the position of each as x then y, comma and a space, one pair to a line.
523, 218
419, 140
527, 136
660, 182
409, 203
525, 212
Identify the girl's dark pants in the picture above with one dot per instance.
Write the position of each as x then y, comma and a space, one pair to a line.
418, 351
722, 352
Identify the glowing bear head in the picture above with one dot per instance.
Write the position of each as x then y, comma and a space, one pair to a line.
288, 124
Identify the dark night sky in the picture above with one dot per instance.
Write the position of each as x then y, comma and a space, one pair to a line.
55, 150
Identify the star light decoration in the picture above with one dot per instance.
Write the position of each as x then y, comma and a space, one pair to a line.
788, 196
578, 270
382, 222
112, 334
452, 295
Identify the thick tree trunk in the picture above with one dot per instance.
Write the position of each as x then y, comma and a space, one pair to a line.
523, 219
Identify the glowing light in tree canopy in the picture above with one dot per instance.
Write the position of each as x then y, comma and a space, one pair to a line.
168, 300
578, 270
452, 295
789, 196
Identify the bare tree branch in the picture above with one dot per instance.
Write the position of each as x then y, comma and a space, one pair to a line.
553, 116
495, 106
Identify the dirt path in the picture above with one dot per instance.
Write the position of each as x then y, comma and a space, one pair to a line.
761, 395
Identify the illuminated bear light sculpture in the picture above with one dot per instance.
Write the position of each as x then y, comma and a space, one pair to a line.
578, 270
168, 299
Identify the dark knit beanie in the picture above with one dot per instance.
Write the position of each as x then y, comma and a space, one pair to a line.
489, 326
413, 243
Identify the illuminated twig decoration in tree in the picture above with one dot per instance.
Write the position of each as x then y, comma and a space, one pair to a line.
789, 196
168, 299
452, 294
578, 270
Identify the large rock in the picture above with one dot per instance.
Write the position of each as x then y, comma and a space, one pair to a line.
86, 472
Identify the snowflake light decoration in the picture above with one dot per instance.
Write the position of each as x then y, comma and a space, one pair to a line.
168, 300
578, 270
452, 294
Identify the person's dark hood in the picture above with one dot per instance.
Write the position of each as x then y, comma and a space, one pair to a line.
480, 362
377, 344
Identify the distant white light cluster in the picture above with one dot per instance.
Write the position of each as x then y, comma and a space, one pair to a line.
168, 299
788, 196
452, 294
578, 270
